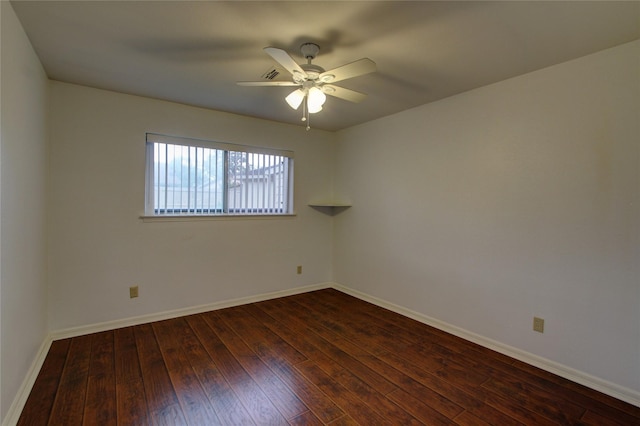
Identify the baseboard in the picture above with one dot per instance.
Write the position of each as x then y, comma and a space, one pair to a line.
143, 319
13, 414
619, 392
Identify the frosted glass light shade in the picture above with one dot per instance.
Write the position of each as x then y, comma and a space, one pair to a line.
315, 100
295, 98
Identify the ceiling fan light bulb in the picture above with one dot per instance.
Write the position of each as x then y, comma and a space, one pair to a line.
315, 100
295, 98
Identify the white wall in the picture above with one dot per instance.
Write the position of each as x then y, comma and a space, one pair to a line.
23, 154
99, 246
509, 201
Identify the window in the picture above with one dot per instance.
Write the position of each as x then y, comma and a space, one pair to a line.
194, 177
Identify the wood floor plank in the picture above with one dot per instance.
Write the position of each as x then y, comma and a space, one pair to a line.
429, 356
563, 394
325, 340
295, 332
170, 415
594, 419
442, 393
259, 337
349, 324
126, 356
488, 357
193, 400
320, 357
222, 397
344, 421
306, 419
283, 398
597, 402
350, 361
414, 380
249, 392
423, 411
462, 376
374, 399
513, 409
436, 399
491, 415
40, 401
277, 391
533, 398
131, 403
102, 359
467, 419
398, 325
100, 406
68, 408
345, 399
305, 389
162, 401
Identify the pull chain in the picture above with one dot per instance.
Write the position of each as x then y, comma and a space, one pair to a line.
305, 113
304, 109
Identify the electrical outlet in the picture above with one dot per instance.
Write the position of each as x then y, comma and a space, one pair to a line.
299, 269
538, 324
133, 292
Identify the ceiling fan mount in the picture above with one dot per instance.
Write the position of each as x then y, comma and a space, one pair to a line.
309, 50
313, 81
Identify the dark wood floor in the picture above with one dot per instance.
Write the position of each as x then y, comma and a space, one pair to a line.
317, 358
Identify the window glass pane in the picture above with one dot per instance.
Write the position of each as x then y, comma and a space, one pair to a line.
187, 180
258, 183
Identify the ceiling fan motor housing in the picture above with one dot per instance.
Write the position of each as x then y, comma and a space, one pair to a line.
313, 71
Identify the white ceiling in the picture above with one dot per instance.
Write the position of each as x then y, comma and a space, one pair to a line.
193, 52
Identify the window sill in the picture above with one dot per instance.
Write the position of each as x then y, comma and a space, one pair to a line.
200, 218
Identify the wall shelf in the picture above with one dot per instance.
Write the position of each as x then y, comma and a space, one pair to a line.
330, 208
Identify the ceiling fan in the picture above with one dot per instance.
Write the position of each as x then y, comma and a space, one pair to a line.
313, 82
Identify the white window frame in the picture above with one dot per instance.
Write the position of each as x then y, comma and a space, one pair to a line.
285, 197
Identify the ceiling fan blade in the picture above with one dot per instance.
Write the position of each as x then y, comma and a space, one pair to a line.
266, 83
350, 70
285, 60
342, 93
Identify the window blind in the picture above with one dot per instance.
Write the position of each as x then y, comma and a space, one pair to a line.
194, 177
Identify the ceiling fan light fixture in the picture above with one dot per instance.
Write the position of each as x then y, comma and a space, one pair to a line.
295, 98
315, 100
